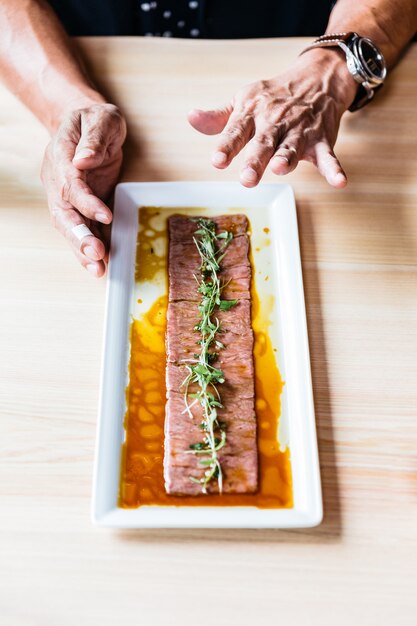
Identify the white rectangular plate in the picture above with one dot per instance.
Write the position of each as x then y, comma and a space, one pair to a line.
267, 207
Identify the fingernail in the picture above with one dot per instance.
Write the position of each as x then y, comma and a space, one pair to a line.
219, 158
84, 153
249, 175
102, 217
92, 268
340, 178
91, 253
283, 158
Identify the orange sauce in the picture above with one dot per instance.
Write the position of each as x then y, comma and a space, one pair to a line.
142, 480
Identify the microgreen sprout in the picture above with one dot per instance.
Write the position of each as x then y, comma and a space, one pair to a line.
201, 371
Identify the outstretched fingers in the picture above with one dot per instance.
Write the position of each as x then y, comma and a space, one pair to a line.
236, 134
288, 154
329, 166
258, 154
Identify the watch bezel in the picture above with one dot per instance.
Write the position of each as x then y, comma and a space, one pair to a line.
373, 78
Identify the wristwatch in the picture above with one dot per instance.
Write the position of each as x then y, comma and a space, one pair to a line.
364, 60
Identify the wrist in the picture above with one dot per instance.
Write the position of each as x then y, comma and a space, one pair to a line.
338, 81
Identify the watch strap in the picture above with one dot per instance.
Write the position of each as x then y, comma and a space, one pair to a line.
363, 97
330, 40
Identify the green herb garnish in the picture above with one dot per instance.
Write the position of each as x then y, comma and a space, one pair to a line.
226, 305
211, 247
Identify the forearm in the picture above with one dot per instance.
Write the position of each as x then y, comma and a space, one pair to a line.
389, 23
38, 63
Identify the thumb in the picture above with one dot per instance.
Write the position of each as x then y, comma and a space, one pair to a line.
92, 146
210, 122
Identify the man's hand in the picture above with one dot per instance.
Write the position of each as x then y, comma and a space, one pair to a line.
80, 169
284, 120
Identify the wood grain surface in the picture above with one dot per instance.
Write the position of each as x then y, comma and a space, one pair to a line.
359, 250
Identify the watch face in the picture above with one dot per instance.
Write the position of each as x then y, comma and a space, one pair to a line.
372, 59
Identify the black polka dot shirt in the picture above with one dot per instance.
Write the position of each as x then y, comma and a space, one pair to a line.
171, 19
194, 19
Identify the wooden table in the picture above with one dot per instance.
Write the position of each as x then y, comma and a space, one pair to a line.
360, 270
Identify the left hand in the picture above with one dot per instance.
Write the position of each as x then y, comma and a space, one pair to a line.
292, 117
79, 171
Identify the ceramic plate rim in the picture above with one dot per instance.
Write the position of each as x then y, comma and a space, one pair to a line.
118, 296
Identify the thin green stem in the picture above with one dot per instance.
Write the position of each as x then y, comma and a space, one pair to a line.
211, 248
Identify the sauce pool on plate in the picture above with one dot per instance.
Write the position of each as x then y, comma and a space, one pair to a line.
142, 481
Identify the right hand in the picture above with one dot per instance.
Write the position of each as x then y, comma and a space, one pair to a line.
80, 169
291, 117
